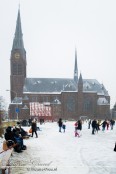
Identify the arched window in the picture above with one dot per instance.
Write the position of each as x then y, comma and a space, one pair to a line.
17, 69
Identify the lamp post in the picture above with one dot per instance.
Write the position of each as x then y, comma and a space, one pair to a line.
2, 108
16, 103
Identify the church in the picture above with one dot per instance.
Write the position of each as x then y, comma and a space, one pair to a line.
52, 98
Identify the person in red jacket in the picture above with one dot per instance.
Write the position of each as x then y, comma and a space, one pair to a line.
76, 129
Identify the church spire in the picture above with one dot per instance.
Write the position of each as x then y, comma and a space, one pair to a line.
18, 38
75, 68
80, 79
80, 83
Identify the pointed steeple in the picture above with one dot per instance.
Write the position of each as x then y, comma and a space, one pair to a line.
80, 83
18, 38
80, 78
75, 68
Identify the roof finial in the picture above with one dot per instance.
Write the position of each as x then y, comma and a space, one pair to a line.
19, 5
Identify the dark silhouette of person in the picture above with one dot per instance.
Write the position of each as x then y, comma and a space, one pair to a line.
60, 123
34, 128
94, 126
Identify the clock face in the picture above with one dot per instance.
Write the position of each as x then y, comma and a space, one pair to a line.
17, 55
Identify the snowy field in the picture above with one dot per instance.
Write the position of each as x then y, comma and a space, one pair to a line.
63, 153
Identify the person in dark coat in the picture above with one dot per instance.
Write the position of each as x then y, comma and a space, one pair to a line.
9, 135
79, 125
104, 125
60, 123
112, 123
94, 126
19, 140
13, 135
89, 124
34, 128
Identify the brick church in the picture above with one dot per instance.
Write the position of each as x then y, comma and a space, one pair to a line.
52, 98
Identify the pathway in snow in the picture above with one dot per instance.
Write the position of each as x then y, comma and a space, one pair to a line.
65, 154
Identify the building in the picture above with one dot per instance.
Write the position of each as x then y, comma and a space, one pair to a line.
113, 112
52, 98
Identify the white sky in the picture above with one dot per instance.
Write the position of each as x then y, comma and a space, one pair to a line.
51, 31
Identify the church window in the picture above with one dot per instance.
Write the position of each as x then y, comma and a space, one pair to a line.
17, 69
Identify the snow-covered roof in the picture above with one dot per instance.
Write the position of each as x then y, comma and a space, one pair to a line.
25, 107
49, 85
90, 85
17, 100
58, 85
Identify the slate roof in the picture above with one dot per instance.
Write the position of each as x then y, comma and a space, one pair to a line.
92, 85
49, 85
58, 85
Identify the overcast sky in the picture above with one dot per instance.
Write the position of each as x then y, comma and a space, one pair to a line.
51, 31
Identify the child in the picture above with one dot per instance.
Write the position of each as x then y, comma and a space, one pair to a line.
76, 128
64, 126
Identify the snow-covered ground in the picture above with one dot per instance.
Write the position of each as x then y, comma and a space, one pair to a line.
63, 153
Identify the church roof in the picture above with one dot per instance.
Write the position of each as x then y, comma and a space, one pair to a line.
58, 85
90, 85
49, 85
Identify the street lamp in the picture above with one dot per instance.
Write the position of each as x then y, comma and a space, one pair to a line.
2, 108
17, 110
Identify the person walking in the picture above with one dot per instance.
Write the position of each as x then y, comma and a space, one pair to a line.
76, 129
89, 123
60, 123
104, 125
34, 128
94, 126
64, 126
79, 128
112, 123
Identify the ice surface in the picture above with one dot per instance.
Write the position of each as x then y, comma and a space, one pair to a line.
63, 153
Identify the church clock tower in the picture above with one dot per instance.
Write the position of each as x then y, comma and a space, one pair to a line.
17, 62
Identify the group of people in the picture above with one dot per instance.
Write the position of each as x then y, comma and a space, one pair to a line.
78, 127
14, 138
14, 135
61, 125
97, 123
